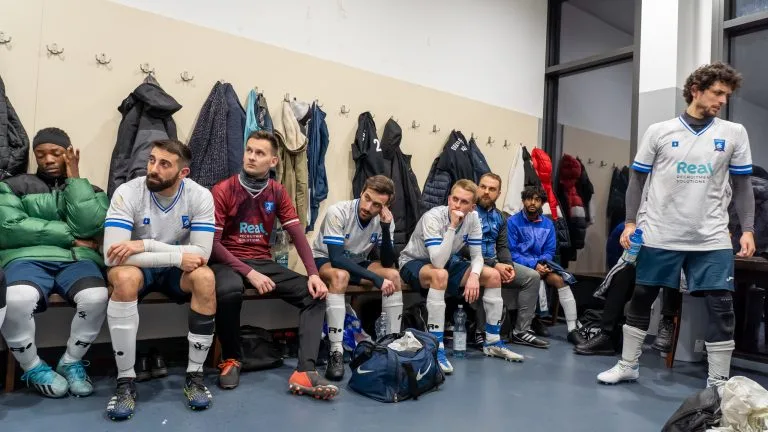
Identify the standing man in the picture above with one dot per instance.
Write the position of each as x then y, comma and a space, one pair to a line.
158, 237
429, 262
684, 216
348, 233
519, 282
247, 208
50, 225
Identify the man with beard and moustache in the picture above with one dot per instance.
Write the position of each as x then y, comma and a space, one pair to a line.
699, 163
348, 233
520, 283
248, 205
50, 225
532, 242
158, 236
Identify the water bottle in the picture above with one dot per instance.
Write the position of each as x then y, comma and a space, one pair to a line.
635, 243
280, 248
382, 326
460, 332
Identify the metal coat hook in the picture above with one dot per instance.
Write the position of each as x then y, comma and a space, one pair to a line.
435, 129
506, 144
472, 135
4, 39
54, 49
614, 165
590, 161
186, 77
415, 125
317, 102
146, 69
602, 164
287, 97
393, 118
102, 59
345, 110
490, 141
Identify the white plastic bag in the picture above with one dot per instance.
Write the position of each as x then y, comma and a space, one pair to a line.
407, 343
744, 405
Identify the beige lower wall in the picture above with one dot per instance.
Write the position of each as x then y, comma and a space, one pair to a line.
600, 148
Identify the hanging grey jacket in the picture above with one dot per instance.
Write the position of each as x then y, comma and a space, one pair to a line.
14, 142
208, 142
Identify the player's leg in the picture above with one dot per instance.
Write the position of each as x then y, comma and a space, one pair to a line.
28, 283
82, 283
526, 284
335, 311
3, 289
123, 323
292, 288
201, 284
391, 304
493, 304
568, 302
229, 302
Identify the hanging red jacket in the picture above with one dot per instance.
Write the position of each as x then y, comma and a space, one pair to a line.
543, 166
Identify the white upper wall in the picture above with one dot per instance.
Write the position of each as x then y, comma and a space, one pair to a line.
487, 50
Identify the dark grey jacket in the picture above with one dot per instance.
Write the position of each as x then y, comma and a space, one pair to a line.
14, 142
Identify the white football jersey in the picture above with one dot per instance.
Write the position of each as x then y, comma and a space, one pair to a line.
685, 201
430, 232
342, 226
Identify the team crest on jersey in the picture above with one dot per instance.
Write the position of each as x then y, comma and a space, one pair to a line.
346, 236
185, 222
719, 145
146, 221
675, 143
269, 206
466, 238
374, 237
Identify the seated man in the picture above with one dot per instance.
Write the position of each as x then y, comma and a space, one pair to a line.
247, 208
49, 225
158, 237
427, 262
532, 242
347, 235
520, 283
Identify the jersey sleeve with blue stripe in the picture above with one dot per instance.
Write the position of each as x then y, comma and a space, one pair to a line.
333, 232
646, 152
434, 230
475, 237
121, 212
741, 158
204, 218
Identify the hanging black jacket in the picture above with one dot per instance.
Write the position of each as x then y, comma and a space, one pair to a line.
586, 190
235, 128
208, 142
147, 117
366, 152
405, 208
616, 211
453, 163
479, 164
14, 142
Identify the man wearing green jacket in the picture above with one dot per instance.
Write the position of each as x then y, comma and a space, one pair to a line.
50, 228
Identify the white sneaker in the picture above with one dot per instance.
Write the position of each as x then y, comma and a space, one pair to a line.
623, 371
498, 349
442, 360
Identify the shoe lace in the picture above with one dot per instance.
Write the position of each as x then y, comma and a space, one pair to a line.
228, 363
40, 374
76, 370
337, 356
195, 381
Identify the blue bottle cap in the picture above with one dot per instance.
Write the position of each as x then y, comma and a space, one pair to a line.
638, 231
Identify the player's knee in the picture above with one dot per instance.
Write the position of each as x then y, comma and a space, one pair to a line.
394, 276
492, 278
439, 279
203, 282
339, 280
125, 281
21, 297
720, 305
92, 297
555, 280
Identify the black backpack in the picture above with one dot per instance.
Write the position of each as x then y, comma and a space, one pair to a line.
698, 413
259, 349
415, 316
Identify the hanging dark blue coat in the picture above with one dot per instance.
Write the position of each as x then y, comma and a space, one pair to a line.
317, 132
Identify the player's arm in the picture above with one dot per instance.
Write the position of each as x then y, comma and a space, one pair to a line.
503, 255
475, 242
641, 167
201, 231
439, 244
387, 246
740, 168
289, 219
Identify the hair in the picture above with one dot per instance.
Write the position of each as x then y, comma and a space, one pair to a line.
467, 185
381, 184
493, 176
265, 135
176, 147
706, 76
51, 131
530, 192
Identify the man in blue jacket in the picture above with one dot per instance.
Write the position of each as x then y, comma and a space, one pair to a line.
532, 243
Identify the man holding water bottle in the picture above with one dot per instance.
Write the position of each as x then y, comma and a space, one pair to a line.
684, 217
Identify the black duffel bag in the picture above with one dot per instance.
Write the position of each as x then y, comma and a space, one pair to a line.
698, 413
259, 349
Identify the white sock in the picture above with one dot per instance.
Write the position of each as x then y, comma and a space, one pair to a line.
2, 315
633, 344
123, 322
198, 350
86, 324
436, 314
719, 359
19, 325
393, 306
565, 295
335, 311
494, 305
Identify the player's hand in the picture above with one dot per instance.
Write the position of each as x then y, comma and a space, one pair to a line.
191, 262
747, 243
388, 288
456, 218
629, 228
72, 161
386, 215
506, 271
542, 269
262, 283
472, 288
87, 243
119, 252
316, 287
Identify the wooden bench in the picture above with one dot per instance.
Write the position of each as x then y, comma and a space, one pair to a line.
56, 300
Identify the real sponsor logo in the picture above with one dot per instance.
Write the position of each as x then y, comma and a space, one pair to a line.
693, 173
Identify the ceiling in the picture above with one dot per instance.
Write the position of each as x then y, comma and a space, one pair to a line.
616, 13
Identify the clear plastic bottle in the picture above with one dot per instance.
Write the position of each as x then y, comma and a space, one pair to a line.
635, 243
460, 332
382, 326
280, 248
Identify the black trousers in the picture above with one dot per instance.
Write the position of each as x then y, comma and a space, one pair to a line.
289, 286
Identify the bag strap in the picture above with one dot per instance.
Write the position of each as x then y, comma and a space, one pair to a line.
364, 356
413, 384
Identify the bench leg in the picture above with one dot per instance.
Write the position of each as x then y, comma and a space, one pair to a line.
10, 371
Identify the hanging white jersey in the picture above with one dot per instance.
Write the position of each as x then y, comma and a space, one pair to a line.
430, 232
136, 209
685, 201
342, 226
